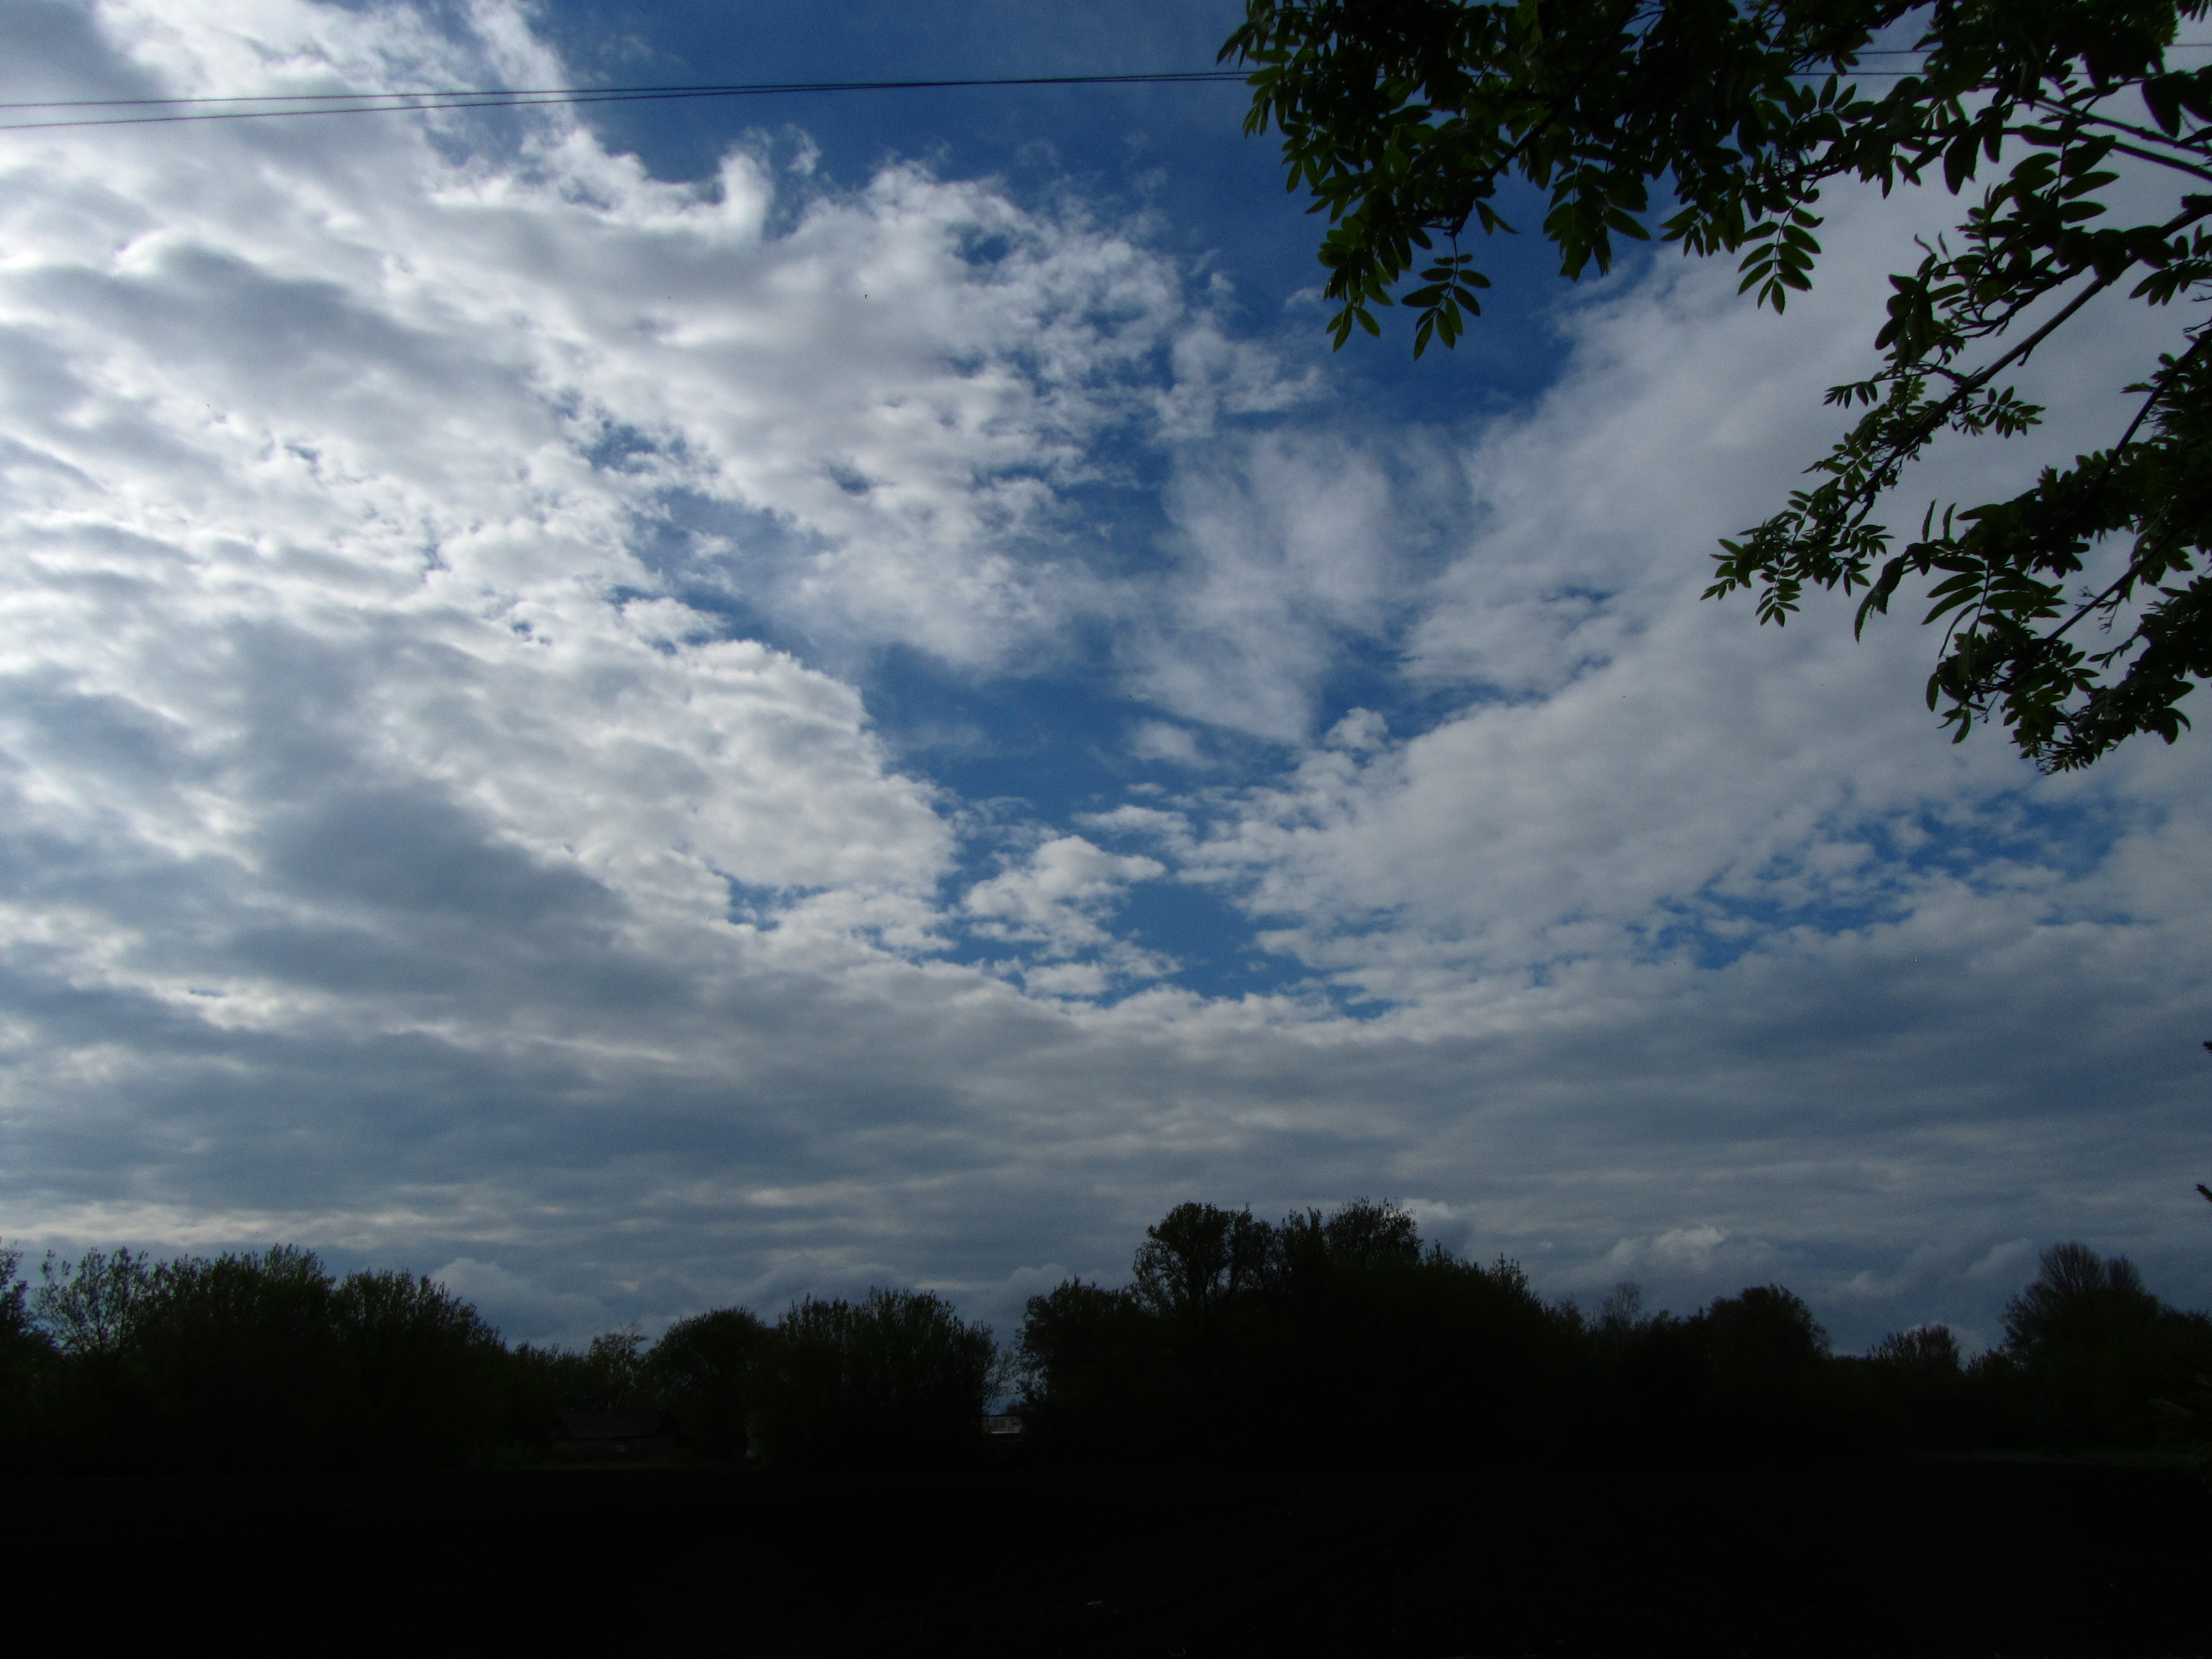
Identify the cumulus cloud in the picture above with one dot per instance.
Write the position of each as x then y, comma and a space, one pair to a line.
1057, 897
1687, 1252
1163, 740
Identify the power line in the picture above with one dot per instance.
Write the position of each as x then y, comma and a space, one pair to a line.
375, 103
386, 103
1923, 51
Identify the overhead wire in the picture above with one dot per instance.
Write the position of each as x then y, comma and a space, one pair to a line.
388, 103
382, 103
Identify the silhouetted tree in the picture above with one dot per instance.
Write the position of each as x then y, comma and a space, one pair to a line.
1194, 1260
614, 1372
1091, 1363
541, 1383
2185, 1414
258, 1360
1645, 1386
2094, 1347
1769, 1375
706, 1370
1365, 1233
1620, 1315
26, 1358
1925, 1350
1334, 1337
87, 1307
897, 1378
1914, 1393
1321, 1338
421, 1370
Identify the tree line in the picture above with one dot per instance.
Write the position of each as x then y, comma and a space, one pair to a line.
265, 1360
1343, 1337
1337, 1337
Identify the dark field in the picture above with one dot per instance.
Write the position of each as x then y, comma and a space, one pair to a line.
1930, 1558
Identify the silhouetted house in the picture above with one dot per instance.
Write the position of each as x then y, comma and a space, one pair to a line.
615, 1437
1002, 1438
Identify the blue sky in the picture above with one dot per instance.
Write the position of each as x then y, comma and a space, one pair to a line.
690, 702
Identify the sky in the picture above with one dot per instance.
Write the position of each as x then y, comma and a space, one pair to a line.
651, 706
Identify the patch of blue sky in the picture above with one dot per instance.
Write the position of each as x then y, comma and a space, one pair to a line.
1368, 674
1090, 975
1875, 868
694, 41
1215, 945
699, 547
1190, 936
760, 905
1981, 844
1047, 754
619, 448
1113, 522
1046, 746
1024, 755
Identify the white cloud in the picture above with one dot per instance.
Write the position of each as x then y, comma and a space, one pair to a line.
2003, 1261
1059, 898
520, 1309
1162, 740
862, 418
1688, 1251
1294, 546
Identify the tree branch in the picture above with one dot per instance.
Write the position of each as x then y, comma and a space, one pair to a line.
2133, 131
2112, 460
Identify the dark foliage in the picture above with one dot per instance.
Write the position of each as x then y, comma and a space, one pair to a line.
1340, 1339
254, 1361
2093, 1349
263, 1361
705, 1370
27, 1354
1319, 1339
1333, 1338
897, 1378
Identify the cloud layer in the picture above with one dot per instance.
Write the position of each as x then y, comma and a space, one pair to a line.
443, 568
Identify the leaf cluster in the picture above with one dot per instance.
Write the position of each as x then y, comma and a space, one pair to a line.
1405, 118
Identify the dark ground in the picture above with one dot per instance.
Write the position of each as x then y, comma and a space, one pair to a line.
1935, 1558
